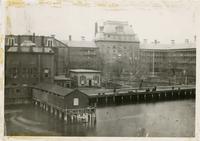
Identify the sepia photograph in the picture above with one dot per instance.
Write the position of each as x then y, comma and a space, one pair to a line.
100, 68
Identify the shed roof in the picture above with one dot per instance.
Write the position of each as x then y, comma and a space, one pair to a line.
84, 71
61, 77
54, 89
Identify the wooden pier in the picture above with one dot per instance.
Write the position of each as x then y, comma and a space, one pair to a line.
139, 96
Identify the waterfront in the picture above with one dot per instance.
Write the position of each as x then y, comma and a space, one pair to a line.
161, 119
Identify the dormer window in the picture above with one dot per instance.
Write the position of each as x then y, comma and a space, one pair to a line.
11, 41
49, 42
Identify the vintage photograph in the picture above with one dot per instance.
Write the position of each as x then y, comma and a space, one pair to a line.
100, 68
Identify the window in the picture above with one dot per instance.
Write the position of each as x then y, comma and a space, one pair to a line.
76, 102
49, 42
11, 41
82, 80
46, 72
13, 72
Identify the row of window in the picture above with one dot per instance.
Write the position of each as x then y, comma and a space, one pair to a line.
119, 37
27, 72
12, 41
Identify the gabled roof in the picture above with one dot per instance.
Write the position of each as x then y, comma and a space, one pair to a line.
28, 49
54, 89
81, 44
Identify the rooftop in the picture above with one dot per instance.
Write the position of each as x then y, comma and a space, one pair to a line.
28, 49
84, 71
61, 77
54, 89
168, 46
81, 44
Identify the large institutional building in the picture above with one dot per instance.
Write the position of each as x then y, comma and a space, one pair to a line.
175, 62
118, 46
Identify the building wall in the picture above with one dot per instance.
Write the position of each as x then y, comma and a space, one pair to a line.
17, 95
61, 59
177, 63
28, 68
82, 98
83, 58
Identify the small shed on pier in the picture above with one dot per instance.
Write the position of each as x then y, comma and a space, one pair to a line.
59, 97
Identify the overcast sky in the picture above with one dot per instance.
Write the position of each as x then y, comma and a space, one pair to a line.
161, 23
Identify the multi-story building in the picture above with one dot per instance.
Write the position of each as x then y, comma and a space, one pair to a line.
29, 60
83, 54
173, 62
60, 49
118, 46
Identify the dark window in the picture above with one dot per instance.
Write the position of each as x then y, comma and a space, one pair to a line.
11, 41
17, 90
49, 43
46, 72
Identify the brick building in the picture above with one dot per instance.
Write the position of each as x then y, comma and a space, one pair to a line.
29, 60
173, 62
118, 46
83, 54
60, 49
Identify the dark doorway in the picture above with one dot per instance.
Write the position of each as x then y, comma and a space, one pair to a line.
90, 83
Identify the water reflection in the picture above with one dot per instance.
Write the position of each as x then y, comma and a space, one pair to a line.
174, 118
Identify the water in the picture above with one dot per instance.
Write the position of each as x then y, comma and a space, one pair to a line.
161, 119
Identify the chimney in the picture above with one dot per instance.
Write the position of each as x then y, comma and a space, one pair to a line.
19, 42
33, 38
42, 41
83, 38
96, 28
195, 38
145, 41
70, 37
172, 42
186, 41
53, 35
101, 28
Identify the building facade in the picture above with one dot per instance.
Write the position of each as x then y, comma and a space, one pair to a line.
83, 54
118, 46
85, 78
60, 49
173, 62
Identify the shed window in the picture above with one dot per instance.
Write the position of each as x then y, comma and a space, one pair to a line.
76, 101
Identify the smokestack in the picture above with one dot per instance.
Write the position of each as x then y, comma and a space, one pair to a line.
42, 41
145, 41
96, 28
172, 42
18, 40
83, 38
101, 28
33, 38
187, 41
70, 37
195, 38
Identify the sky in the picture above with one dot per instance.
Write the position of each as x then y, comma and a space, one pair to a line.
151, 22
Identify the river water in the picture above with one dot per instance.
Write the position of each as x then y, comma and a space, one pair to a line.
160, 119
